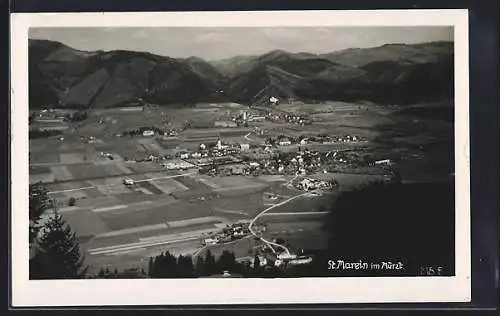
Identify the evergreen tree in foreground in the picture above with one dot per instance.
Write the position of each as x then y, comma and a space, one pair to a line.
200, 266
58, 255
185, 267
256, 266
210, 264
151, 272
227, 262
39, 202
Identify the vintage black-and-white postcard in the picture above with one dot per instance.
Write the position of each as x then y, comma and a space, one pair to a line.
240, 157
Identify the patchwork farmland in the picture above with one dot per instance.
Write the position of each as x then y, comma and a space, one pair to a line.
120, 225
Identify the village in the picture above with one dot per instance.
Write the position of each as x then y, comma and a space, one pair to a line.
166, 163
273, 254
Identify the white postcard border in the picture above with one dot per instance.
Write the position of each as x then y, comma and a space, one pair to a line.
26, 293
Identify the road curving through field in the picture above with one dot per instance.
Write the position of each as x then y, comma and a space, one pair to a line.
270, 243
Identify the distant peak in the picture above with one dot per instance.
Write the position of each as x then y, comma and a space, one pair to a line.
194, 59
277, 52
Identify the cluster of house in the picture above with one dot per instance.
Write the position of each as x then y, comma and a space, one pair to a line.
240, 119
280, 260
149, 132
355, 158
177, 165
229, 233
166, 161
286, 258
293, 163
289, 118
48, 120
219, 149
308, 184
299, 163
247, 117
49, 115
302, 140
89, 139
295, 119
341, 139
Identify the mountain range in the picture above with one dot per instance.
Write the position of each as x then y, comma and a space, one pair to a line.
394, 73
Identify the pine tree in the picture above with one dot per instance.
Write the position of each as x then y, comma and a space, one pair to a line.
246, 270
151, 267
200, 266
170, 266
180, 267
227, 261
158, 262
59, 253
166, 265
189, 267
39, 202
256, 266
210, 265
185, 266
101, 273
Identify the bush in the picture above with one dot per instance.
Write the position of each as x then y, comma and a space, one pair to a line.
79, 116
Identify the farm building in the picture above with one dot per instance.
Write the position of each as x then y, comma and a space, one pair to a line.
244, 146
257, 118
177, 164
383, 162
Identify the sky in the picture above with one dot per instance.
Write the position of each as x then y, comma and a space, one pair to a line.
214, 43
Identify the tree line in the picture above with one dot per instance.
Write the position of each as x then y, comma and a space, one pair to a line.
167, 265
140, 130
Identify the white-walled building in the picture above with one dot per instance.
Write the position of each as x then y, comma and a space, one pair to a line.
285, 142
244, 146
383, 162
